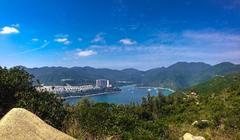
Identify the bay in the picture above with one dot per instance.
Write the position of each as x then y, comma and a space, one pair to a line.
127, 95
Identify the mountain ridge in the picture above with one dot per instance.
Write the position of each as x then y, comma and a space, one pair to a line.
178, 75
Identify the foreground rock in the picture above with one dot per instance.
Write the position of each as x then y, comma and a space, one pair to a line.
188, 136
20, 124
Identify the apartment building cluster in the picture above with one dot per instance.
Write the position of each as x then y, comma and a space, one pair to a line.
64, 89
100, 83
103, 83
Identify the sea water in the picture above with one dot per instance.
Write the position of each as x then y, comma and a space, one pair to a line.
127, 95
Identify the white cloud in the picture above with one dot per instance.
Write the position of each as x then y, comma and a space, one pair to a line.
98, 38
85, 53
127, 41
35, 39
63, 40
9, 30
60, 40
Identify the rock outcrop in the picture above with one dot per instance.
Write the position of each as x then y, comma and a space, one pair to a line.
188, 136
20, 124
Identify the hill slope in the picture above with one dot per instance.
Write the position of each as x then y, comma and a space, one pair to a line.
179, 75
20, 124
218, 84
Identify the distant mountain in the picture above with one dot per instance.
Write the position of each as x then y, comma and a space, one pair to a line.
179, 75
81, 75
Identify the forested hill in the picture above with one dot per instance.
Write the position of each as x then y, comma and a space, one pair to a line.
217, 85
210, 109
179, 75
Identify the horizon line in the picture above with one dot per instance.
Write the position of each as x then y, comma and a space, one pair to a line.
69, 67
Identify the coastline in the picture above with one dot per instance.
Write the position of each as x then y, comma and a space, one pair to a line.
114, 92
169, 89
90, 95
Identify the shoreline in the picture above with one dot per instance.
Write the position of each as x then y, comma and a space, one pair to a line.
105, 93
158, 88
150, 87
90, 95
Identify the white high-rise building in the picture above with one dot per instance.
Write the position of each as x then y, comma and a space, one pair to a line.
108, 84
102, 83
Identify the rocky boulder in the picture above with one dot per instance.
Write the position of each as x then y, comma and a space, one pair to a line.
20, 124
188, 136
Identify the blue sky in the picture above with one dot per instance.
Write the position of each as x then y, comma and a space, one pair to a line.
118, 34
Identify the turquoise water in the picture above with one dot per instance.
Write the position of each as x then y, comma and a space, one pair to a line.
127, 95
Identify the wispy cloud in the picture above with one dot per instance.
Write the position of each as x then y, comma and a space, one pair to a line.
30, 50
9, 30
202, 45
16, 25
127, 41
35, 39
65, 41
62, 38
98, 38
85, 53
206, 45
212, 36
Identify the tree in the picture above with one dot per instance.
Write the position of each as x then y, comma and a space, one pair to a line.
12, 81
48, 106
17, 90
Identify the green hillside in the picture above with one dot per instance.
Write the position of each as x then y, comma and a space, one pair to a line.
218, 84
177, 76
210, 109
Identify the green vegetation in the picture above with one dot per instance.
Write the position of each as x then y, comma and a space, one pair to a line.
177, 76
12, 81
45, 105
209, 109
17, 90
101, 120
214, 105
